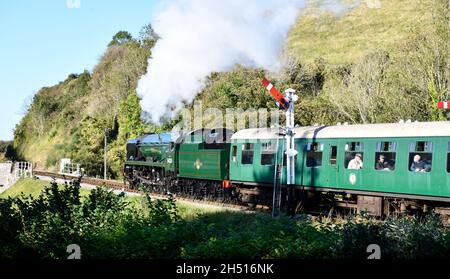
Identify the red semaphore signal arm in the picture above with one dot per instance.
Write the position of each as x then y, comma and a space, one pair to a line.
443, 105
275, 93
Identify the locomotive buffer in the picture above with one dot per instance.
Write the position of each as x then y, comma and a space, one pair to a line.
286, 103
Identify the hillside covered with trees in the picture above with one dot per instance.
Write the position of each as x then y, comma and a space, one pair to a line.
368, 65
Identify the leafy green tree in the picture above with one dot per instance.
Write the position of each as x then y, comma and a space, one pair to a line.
120, 38
130, 123
130, 126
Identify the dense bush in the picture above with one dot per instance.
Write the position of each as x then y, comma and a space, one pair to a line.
106, 225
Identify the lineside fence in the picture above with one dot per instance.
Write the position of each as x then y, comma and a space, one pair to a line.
11, 172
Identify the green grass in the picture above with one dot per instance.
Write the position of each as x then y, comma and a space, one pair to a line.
27, 186
189, 211
345, 39
31, 187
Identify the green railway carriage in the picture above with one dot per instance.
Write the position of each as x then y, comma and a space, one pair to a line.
204, 155
325, 153
402, 166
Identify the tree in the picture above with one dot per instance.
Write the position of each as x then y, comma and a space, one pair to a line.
425, 69
4, 145
130, 123
10, 153
148, 36
120, 38
358, 95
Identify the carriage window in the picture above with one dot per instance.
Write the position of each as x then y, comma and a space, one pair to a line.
247, 153
314, 153
420, 156
333, 155
234, 153
448, 157
385, 156
267, 153
354, 155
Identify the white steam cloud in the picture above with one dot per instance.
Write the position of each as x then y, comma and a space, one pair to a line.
203, 36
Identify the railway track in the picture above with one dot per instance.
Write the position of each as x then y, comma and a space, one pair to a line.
122, 186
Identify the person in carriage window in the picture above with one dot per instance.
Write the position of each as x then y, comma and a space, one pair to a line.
356, 163
418, 165
382, 164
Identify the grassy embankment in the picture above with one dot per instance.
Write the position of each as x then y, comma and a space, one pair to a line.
367, 28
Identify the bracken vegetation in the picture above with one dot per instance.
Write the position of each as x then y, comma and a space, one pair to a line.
106, 225
369, 65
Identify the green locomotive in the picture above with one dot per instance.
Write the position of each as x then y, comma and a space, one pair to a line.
151, 160
196, 164
380, 168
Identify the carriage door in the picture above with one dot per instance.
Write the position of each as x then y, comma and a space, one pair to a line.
333, 167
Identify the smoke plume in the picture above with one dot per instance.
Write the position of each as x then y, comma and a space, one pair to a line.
203, 36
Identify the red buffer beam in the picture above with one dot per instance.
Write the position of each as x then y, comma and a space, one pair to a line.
443, 105
275, 93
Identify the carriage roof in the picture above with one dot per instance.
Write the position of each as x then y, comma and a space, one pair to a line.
391, 130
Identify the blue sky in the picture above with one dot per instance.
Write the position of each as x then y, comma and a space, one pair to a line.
43, 41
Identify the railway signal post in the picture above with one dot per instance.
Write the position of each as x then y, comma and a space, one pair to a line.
286, 103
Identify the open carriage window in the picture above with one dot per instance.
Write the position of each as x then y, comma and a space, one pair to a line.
354, 155
385, 156
314, 152
234, 153
333, 155
420, 156
267, 153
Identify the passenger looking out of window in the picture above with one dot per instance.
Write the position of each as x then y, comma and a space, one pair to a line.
419, 166
382, 164
356, 163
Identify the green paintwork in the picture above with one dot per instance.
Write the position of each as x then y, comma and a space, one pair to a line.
399, 181
156, 152
157, 155
199, 163
252, 172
